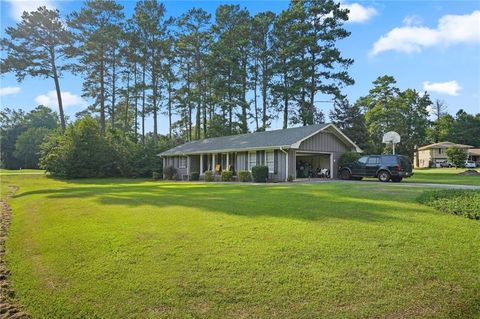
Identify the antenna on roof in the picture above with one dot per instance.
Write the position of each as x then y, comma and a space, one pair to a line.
391, 138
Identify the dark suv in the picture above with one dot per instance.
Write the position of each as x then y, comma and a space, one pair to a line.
385, 167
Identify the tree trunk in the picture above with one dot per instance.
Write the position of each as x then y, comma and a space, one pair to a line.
264, 95
135, 85
143, 103
255, 103
114, 78
102, 97
170, 109
127, 105
58, 91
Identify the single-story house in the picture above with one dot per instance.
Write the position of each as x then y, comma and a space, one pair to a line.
287, 153
434, 154
474, 155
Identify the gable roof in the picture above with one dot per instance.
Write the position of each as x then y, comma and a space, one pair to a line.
286, 138
443, 145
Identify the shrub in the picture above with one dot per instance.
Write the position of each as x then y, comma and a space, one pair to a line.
244, 176
170, 173
227, 176
456, 156
195, 176
260, 173
459, 202
290, 178
156, 175
209, 176
348, 157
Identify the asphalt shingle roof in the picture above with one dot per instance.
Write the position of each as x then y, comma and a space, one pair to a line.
268, 139
443, 145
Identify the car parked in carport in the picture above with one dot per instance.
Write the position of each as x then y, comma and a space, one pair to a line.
383, 167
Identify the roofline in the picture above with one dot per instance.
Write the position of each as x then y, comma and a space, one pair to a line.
297, 144
225, 150
435, 145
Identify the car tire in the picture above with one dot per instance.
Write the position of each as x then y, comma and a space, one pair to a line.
345, 174
383, 176
397, 179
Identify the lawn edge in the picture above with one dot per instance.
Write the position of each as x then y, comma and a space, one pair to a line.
8, 308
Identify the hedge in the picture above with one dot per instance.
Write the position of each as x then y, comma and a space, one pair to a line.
227, 176
260, 173
459, 202
195, 176
209, 176
244, 176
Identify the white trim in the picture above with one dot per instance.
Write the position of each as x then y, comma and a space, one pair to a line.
273, 162
201, 163
249, 168
180, 164
331, 165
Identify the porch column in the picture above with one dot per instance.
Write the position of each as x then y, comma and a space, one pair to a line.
201, 163
228, 160
213, 163
188, 165
331, 165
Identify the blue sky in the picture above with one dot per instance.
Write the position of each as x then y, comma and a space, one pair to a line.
425, 45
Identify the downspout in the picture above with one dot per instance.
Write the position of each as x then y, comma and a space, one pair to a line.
286, 163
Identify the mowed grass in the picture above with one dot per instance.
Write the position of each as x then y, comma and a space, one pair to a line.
443, 176
120, 248
20, 171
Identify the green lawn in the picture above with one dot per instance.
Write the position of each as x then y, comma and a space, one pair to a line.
20, 171
120, 248
443, 176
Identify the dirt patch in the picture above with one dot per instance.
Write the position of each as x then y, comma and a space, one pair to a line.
8, 310
469, 172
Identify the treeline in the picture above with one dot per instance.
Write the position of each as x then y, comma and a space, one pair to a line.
209, 75
408, 112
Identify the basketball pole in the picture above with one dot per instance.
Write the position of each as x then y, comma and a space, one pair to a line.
393, 148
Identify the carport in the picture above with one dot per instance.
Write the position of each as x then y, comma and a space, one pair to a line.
313, 164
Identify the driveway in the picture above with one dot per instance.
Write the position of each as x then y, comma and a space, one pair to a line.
402, 184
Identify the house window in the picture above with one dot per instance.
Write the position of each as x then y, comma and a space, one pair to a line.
270, 161
252, 160
183, 162
439, 151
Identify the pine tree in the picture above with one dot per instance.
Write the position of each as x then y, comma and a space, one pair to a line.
97, 26
38, 46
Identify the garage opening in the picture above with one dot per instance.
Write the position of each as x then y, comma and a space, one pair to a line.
313, 165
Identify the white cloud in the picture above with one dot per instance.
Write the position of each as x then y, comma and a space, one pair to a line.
413, 20
68, 99
449, 88
359, 13
9, 90
413, 37
17, 7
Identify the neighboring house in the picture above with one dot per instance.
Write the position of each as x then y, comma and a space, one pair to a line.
434, 154
474, 155
283, 151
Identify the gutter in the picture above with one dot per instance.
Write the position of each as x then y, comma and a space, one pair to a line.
286, 163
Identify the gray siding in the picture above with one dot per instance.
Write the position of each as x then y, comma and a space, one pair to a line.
323, 142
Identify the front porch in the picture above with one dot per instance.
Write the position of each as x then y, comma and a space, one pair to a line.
215, 162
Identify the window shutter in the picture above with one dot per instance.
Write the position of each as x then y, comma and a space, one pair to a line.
259, 155
246, 161
275, 162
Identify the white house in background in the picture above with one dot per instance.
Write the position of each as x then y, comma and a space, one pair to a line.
434, 154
